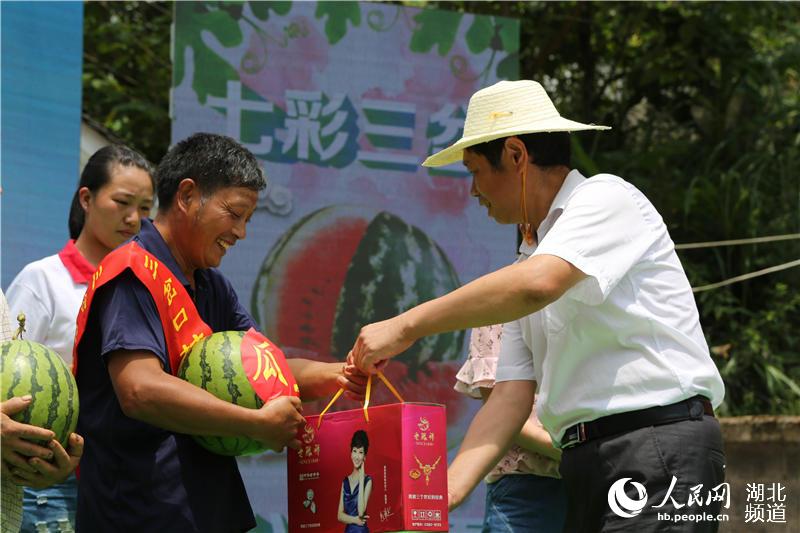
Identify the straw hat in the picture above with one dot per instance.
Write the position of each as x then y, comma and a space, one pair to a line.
506, 108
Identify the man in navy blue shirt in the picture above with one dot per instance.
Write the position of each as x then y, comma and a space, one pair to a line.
141, 470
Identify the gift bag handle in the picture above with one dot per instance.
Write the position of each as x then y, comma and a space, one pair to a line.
366, 396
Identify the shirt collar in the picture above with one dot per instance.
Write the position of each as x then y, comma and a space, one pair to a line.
571, 182
79, 268
151, 240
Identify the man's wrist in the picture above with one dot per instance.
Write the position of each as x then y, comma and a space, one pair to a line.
333, 383
250, 422
409, 325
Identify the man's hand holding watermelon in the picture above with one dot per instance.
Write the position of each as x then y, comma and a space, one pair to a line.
31, 464
282, 419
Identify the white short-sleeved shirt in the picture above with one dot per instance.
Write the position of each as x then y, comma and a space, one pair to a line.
628, 336
50, 291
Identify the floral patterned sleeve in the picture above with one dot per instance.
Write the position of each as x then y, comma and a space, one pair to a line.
479, 369
478, 372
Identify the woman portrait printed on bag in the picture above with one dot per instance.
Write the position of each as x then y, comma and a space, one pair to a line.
356, 488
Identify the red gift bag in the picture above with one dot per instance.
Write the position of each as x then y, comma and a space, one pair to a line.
402, 484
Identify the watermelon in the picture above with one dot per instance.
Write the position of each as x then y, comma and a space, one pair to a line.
342, 267
215, 364
31, 368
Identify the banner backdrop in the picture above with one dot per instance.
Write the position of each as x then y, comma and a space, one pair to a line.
341, 102
42, 51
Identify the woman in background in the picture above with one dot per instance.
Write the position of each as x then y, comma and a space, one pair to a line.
115, 192
524, 492
356, 488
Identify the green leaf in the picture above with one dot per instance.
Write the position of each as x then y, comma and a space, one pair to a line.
508, 68
509, 33
479, 34
262, 525
338, 14
783, 378
435, 28
585, 162
224, 27
234, 8
211, 72
281, 8
261, 9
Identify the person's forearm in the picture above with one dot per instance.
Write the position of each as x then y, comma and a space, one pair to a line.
532, 436
348, 519
315, 379
362, 499
489, 436
176, 405
507, 294
536, 439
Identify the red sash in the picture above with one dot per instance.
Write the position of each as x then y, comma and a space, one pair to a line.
182, 324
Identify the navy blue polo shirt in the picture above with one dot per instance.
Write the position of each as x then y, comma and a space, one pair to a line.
135, 476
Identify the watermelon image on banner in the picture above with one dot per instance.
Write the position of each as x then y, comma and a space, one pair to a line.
342, 267
243, 368
32, 368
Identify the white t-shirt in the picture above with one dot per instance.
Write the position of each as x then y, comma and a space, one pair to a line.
50, 295
625, 338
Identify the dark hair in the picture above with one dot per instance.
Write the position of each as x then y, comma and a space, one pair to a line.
212, 161
360, 440
548, 149
97, 173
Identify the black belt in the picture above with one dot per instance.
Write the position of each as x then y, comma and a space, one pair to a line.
691, 409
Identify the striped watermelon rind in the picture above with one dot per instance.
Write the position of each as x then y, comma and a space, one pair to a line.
31, 368
396, 267
215, 364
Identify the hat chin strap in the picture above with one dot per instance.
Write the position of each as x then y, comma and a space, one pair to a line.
525, 228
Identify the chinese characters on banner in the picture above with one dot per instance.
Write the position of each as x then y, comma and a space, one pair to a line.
322, 129
342, 102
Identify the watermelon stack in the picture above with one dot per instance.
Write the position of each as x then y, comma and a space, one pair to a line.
342, 267
31, 368
215, 364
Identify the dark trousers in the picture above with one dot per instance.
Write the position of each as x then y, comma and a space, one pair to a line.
689, 451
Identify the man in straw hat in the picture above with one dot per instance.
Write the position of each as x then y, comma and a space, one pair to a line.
599, 315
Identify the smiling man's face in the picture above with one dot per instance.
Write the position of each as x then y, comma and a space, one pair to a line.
219, 221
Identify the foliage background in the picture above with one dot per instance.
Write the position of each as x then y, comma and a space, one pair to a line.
704, 100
